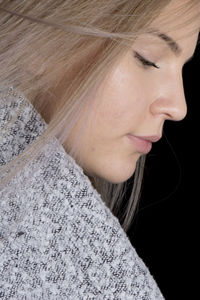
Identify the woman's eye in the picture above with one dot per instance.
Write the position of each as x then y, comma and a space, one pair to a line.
144, 61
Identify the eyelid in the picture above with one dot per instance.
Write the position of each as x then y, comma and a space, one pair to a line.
145, 61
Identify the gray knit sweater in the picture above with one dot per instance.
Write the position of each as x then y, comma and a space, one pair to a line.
58, 240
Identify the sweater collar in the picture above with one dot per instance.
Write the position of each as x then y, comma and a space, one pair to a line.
20, 125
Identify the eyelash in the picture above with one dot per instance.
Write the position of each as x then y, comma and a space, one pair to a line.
145, 62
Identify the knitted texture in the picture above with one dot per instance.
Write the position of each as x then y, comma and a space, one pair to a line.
58, 239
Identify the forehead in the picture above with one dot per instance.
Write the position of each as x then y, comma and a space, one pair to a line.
180, 21
180, 18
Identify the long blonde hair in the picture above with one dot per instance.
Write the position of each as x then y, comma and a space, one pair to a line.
72, 44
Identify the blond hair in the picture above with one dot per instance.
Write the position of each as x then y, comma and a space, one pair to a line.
72, 44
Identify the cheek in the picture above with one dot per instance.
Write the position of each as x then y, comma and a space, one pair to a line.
116, 100
114, 111
113, 115
119, 109
121, 101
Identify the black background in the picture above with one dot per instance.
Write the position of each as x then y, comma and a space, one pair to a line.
164, 231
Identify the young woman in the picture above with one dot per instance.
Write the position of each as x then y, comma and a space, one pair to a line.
86, 87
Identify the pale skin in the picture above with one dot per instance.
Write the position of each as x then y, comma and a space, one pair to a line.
137, 99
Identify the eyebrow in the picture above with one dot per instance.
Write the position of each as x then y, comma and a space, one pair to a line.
175, 48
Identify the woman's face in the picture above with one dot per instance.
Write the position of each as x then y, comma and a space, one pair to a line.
137, 99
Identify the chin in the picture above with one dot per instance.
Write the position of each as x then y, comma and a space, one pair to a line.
119, 176
117, 170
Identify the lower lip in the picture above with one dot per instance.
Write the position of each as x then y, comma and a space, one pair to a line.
141, 145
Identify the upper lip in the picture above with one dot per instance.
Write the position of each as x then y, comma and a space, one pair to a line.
152, 138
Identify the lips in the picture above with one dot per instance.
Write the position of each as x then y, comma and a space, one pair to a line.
152, 138
143, 143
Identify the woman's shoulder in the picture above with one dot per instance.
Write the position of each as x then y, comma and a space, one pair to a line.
64, 238
59, 239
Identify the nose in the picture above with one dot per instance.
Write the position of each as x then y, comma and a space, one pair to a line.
171, 102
